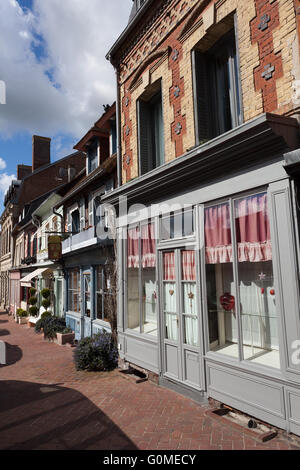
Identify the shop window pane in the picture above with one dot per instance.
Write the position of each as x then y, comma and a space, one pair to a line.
133, 261
170, 304
191, 330
189, 298
223, 330
87, 294
188, 223
256, 282
74, 290
149, 290
177, 225
99, 293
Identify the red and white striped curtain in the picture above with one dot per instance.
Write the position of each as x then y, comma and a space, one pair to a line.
252, 231
169, 266
188, 265
133, 235
148, 246
218, 247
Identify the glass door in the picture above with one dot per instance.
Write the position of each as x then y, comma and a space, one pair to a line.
180, 309
87, 293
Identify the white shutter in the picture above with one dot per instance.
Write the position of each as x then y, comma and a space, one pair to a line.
82, 214
69, 222
91, 211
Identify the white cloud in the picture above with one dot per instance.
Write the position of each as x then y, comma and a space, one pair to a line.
5, 181
61, 92
2, 164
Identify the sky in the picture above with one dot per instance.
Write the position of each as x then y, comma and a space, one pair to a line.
52, 61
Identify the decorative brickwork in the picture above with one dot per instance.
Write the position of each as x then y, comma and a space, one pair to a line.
178, 126
160, 49
270, 67
127, 132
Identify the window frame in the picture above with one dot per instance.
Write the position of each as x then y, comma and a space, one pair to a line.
100, 292
163, 241
147, 130
74, 290
140, 280
94, 145
240, 360
235, 99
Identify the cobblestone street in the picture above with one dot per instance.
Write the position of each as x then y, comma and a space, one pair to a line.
46, 404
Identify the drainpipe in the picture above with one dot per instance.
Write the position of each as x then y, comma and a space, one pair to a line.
62, 263
118, 126
58, 214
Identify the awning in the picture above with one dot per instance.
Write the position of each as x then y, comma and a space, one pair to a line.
26, 281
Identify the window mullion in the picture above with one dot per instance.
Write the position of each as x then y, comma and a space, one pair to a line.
140, 281
233, 90
236, 280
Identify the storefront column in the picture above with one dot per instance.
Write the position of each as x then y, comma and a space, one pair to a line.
286, 276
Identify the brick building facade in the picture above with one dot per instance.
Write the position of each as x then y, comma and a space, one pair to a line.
208, 155
33, 183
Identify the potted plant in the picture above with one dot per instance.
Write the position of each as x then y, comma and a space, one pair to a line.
22, 316
16, 316
46, 298
51, 325
64, 337
33, 309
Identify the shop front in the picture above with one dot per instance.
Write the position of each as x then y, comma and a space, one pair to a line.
209, 269
86, 291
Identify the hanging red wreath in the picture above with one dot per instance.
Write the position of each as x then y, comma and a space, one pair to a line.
227, 301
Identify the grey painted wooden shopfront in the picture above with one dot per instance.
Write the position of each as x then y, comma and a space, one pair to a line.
81, 314
241, 163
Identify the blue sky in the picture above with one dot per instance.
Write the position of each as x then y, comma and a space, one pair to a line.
52, 56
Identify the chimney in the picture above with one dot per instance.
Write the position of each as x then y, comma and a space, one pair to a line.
23, 170
40, 151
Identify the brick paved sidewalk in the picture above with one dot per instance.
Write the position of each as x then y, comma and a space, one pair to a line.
46, 404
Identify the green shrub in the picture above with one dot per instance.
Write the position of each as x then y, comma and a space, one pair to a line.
51, 325
22, 313
45, 293
33, 310
46, 314
32, 291
98, 353
46, 303
66, 331
33, 300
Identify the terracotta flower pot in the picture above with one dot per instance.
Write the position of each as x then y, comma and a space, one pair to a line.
64, 338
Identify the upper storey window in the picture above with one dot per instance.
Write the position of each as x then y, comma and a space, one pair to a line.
93, 156
151, 131
217, 95
113, 137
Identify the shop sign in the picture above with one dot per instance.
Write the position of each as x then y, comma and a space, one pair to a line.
54, 248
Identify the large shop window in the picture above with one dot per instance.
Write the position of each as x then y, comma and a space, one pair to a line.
74, 291
245, 302
141, 279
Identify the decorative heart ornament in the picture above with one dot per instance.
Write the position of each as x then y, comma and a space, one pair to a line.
227, 301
